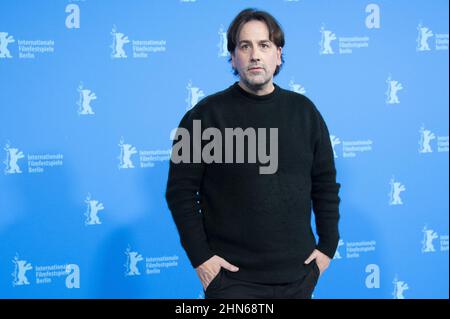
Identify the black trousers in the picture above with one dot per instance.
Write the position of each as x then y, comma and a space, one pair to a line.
225, 287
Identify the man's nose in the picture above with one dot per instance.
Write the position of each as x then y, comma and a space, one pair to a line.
254, 55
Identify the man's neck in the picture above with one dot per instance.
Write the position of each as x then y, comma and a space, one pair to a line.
262, 90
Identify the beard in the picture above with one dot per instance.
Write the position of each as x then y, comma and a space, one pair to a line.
255, 82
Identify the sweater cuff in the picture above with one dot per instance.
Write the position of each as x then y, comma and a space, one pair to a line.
199, 254
328, 248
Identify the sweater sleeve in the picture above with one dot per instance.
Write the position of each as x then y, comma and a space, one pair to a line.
324, 192
183, 198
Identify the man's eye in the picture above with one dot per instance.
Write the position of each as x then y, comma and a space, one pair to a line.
265, 45
245, 46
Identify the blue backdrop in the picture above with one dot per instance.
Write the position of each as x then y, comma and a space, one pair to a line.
90, 91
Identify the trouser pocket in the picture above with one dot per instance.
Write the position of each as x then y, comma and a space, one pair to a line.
316, 270
215, 282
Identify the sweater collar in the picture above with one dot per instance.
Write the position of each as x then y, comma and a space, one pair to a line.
253, 97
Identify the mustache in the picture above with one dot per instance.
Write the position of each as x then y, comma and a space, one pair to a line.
255, 66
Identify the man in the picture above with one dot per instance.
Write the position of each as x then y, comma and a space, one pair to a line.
247, 231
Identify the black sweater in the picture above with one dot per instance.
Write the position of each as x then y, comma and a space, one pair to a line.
259, 222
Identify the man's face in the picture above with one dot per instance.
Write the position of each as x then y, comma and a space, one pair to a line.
255, 56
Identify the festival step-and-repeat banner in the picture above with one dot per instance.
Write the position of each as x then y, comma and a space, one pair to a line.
90, 91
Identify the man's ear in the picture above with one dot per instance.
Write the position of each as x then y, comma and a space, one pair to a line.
279, 52
232, 60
